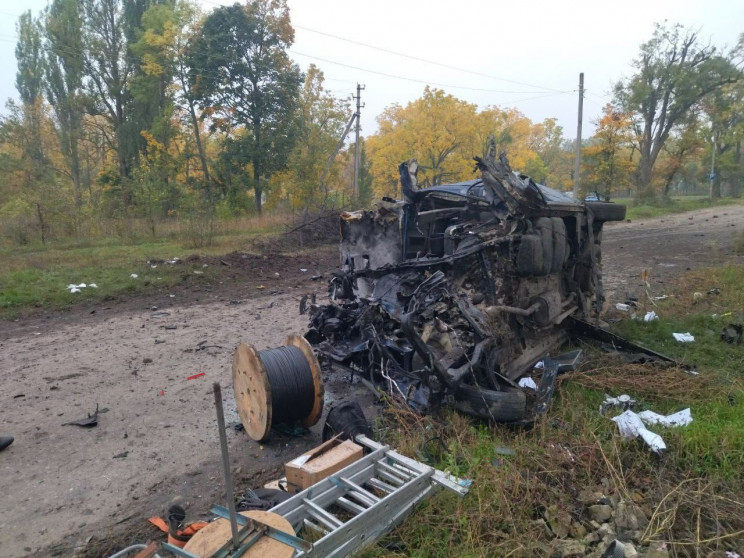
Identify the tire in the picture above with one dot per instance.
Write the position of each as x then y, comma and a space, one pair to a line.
607, 211
560, 244
530, 255
544, 227
501, 406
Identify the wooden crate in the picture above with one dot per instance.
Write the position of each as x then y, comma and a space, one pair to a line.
320, 462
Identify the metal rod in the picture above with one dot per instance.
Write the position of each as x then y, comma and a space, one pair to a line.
226, 465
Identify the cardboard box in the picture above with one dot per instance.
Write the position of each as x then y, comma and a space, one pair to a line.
320, 462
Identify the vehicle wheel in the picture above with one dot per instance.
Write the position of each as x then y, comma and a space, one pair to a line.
607, 211
560, 244
530, 255
544, 227
501, 406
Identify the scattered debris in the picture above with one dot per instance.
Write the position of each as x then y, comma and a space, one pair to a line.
622, 307
650, 316
88, 422
451, 294
160, 315
19, 395
77, 288
121, 455
528, 382
134, 276
195, 376
346, 420
316, 277
680, 418
633, 425
684, 337
622, 402
732, 334
303, 270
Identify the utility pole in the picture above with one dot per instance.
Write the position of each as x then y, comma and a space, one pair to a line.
357, 116
577, 159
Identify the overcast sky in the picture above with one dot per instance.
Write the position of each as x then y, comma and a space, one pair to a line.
525, 54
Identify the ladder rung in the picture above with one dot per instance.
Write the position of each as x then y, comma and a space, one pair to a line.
398, 474
350, 506
406, 463
379, 485
361, 490
307, 523
406, 470
322, 515
358, 493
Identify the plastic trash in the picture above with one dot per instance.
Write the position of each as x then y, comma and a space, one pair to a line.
633, 425
528, 383
650, 316
684, 337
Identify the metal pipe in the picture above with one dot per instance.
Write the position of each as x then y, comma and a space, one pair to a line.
226, 465
514, 309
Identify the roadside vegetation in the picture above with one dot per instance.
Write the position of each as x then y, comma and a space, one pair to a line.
147, 112
528, 485
36, 276
676, 204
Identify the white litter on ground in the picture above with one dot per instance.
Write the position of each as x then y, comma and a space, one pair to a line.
681, 418
684, 337
622, 307
77, 288
633, 425
528, 383
650, 316
134, 276
303, 270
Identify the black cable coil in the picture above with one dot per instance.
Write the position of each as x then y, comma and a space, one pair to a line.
291, 381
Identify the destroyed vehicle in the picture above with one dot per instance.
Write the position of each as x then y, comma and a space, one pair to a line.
451, 294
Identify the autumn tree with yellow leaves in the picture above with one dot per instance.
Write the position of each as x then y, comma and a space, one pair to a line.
608, 164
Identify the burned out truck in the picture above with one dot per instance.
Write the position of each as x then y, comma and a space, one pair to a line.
450, 295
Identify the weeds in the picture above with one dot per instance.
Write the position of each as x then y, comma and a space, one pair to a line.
524, 501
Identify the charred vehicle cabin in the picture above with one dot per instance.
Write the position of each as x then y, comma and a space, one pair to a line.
451, 294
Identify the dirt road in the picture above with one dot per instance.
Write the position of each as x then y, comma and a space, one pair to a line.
156, 439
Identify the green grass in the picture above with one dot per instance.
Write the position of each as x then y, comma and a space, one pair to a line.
677, 204
37, 276
691, 495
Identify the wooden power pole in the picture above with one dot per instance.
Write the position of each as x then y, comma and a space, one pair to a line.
357, 116
577, 159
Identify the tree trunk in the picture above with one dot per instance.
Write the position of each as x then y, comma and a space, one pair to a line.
199, 147
257, 165
257, 186
738, 178
644, 191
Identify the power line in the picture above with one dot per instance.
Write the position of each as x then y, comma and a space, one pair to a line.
418, 59
405, 78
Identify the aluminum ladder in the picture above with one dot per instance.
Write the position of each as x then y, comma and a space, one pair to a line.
373, 495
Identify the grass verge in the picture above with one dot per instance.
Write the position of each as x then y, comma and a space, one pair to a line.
679, 204
38, 276
529, 485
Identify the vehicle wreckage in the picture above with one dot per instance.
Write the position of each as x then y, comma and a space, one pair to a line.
450, 295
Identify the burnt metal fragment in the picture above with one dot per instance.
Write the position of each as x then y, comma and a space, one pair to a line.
450, 295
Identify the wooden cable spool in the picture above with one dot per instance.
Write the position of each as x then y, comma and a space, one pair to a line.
252, 384
211, 538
